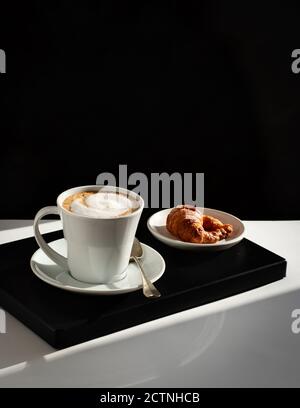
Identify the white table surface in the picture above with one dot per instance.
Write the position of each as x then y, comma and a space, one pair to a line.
242, 341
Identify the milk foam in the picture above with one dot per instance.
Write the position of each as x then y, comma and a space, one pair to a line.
103, 205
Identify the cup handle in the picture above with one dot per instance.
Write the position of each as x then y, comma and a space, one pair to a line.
53, 255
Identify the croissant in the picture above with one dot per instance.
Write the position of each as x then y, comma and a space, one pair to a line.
188, 224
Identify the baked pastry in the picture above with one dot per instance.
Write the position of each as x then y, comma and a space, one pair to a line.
188, 224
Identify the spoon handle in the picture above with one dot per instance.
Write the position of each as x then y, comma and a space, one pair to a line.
149, 290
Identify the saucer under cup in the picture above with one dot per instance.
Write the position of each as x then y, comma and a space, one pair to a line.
48, 271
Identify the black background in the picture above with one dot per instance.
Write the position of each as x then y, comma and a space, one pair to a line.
197, 86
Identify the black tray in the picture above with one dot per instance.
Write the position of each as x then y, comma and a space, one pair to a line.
191, 279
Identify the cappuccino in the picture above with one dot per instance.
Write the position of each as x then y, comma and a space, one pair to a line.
99, 225
100, 204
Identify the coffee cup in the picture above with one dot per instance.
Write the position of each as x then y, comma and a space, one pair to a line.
99, 226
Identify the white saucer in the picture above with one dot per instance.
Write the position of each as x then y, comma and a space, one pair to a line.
53, 274
157, 226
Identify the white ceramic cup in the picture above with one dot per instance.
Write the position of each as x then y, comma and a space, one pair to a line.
98, 248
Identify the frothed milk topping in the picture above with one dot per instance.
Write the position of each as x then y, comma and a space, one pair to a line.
99, 204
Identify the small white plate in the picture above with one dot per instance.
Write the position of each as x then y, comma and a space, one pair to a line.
49, 272
157, 226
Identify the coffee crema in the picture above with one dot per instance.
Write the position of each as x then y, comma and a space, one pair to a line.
100, 204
